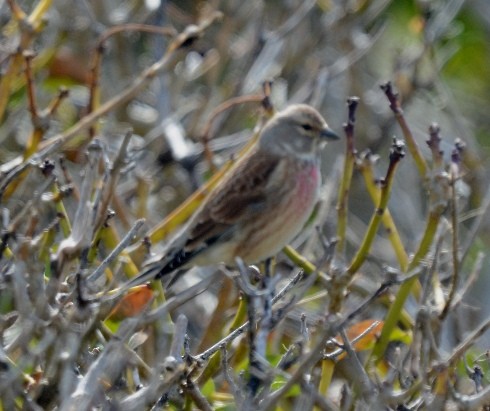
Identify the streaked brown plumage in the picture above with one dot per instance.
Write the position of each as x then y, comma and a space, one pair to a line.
260, 205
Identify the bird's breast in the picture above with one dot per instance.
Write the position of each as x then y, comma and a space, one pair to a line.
305, 194
276, 227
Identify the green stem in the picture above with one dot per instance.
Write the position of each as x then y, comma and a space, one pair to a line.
349, 162
367, 242
405, 289
343, 201
299, 260
386, 219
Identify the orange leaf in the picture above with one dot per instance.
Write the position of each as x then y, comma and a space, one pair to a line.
368, 338
132, 303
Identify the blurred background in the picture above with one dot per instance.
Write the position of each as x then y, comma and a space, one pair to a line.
436, 53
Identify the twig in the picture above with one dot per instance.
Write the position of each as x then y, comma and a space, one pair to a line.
473, 276
434, 143
28, 56
60, 140
173, 302
466, 343
28, 27
150, 394
366, 303
475, 227
178, 337
108, 365
193, 392
291, 356
349, 161
19, 218
55, 103
365, 332
82, 230
116, 251
368, 390
17, 12
68, 179
260, 329
253, 297
215, 113
204, 356
309, 360
322, 403
110, 188
454, 176
412, 145
472, 402
99, 50
235, 389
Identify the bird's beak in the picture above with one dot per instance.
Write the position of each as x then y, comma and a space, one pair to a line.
329, 134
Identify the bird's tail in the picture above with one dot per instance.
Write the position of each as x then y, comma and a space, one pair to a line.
156, 269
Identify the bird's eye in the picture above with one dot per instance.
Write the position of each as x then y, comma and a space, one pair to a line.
306, 127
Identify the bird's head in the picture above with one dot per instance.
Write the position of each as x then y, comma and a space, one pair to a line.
297, 130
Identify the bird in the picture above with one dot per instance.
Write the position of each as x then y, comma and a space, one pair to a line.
260, 205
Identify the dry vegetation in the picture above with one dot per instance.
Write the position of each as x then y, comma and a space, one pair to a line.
116, 117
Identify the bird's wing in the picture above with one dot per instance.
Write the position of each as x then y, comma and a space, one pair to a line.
236, 199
